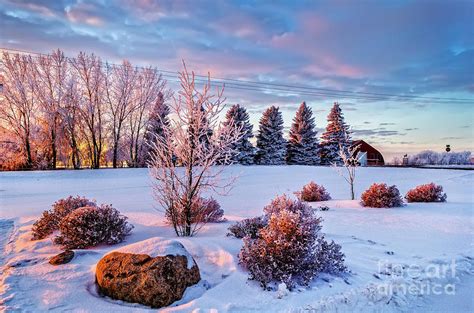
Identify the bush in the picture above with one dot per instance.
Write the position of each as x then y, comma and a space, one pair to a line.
381, 196
285, 203
248, 227
426, 193
290, 248
313, 192
202, 211
49, 221
208, 211
90, 226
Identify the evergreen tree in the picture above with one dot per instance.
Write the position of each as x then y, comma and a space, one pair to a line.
337, 134
238, 118
270, 142
157, 121
303, 144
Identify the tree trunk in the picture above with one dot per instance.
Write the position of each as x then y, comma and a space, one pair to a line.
75, 153
114, 159
53, 149
352, 191
29, 159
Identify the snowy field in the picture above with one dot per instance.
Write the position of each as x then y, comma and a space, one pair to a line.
420, 252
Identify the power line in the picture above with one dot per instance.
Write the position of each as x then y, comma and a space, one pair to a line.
291, 89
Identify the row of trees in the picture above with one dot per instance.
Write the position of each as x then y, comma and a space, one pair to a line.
77, 112
81, 112
302, 146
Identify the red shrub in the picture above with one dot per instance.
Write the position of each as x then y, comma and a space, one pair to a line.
290, 248
313, 192
381, 196
49, 221
426, 193
202, 211
209, 211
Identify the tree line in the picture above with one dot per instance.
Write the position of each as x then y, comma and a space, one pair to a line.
82, 112
76, 112
302, 147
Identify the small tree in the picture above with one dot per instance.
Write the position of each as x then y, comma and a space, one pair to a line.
183, 159
270, 142
350, 161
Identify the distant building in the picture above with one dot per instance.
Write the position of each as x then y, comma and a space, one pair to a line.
368, 155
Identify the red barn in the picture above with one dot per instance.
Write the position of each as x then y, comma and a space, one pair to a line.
372, 156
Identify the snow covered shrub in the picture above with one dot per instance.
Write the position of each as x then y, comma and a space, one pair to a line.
313, 192
49, 221
91, 225
248, 227
381, 196
426, 193
207, 211
285, 203
290, 249
202, 211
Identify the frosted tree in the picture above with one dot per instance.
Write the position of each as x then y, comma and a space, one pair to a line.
71, 123
150, 89
119, 87
350, 161
336, 135
18, 106
183, 161
303, 145
243, 151
157, 123
271, 146
90, 75
51, 73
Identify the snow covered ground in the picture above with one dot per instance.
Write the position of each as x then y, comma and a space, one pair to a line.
416, 258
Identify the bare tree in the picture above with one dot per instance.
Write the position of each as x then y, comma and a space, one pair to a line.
119, 85
50, 84
350, 161
89, 71
149, 89
17, 108
183, 159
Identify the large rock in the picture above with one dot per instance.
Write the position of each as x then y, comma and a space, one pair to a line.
153, 272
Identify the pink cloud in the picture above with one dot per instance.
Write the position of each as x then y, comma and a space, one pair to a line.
83, 13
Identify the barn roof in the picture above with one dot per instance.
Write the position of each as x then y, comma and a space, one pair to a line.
365, 147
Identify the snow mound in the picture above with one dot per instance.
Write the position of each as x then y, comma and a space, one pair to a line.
157, 246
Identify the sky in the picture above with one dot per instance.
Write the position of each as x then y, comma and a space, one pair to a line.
354, 49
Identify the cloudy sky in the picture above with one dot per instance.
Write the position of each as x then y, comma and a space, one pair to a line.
402, 70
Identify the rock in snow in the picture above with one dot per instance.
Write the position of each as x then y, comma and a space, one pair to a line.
152, 272
62, 258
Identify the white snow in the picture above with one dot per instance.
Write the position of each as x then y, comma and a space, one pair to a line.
386, 249
157, 246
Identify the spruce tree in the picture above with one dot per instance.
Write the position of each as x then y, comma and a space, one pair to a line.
270, 142
303, 145
336, 135
238, 118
